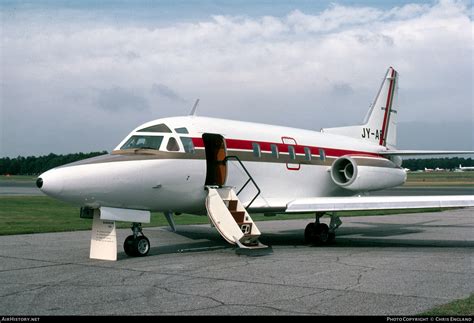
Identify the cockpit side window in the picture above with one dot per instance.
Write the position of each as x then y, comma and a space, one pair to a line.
156, 128
181, 130
172, 145
188, 144
143, 142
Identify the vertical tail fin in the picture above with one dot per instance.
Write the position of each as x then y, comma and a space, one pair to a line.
380, 125
382, 116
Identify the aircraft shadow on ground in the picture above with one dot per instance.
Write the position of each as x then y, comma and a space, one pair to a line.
377, 235
374, 235
183, 248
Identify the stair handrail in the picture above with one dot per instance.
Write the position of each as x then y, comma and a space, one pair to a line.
250, 178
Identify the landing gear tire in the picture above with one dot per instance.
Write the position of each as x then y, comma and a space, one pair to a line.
322, 233
310, 233
128, 246
332, 237
136, 247
142, 246
317, 233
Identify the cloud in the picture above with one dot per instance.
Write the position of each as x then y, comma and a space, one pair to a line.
304, 70
335, 18
163, 90
116, 98
343, 89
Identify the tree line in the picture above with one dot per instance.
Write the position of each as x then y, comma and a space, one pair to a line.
32, 165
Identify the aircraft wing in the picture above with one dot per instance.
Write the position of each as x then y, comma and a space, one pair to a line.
329, 204
423, 152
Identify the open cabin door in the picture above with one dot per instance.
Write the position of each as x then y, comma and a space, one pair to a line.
215, 147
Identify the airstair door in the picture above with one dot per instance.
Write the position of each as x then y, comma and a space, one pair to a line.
230, 218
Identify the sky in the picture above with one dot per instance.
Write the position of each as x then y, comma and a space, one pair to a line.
80, 75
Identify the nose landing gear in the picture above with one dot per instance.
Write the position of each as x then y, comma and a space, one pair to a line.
136, 245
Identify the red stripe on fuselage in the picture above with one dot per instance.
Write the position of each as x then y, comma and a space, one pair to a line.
198, 142
283, 148
384, 124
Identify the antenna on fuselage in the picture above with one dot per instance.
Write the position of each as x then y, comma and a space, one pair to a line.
194, 109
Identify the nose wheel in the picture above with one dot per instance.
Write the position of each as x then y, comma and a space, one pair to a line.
136, 245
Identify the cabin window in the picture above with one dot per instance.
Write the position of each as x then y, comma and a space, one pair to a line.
156, 128
291, 152
143, 142
307, 153
172, 145
274, 149
256, 149
188, 144
181, 130
322, 154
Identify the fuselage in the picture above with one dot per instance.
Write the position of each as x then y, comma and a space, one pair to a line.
165, 165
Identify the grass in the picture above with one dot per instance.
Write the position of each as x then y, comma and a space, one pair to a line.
440, 179
458, 307
21, 178
37, 214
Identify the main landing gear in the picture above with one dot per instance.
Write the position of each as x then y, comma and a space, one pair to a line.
136, 245
321, 233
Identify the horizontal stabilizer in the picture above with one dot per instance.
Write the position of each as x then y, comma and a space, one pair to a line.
357, 203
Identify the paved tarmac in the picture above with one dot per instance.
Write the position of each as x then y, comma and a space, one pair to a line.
380, 265
18, 188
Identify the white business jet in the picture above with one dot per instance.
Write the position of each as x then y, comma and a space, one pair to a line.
227, 169
466, 169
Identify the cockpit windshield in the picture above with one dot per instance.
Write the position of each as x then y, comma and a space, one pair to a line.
156, 128
143, 142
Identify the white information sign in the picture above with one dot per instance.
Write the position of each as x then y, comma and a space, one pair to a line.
103, 239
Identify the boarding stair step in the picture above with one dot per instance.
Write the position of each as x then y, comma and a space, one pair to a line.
231, 219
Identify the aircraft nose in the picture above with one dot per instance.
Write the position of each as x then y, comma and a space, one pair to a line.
50, 183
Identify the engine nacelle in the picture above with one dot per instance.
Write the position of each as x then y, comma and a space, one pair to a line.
366, 174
